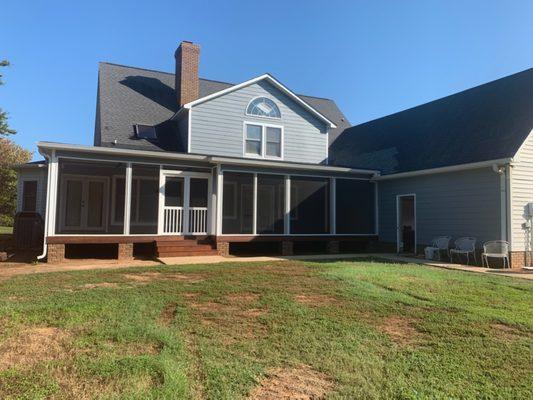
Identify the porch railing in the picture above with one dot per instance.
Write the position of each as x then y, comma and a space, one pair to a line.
174, 220
198, 220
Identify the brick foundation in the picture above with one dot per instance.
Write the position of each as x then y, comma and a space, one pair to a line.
333, 247
287, 248
56, 253
520, 259
223, 249
125, 251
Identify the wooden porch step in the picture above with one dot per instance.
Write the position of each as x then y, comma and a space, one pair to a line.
187, 253
173, 247
181, 246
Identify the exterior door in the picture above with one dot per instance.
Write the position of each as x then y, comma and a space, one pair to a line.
83, 204
406, 223
184, 201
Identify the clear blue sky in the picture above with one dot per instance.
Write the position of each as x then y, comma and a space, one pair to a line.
372, 57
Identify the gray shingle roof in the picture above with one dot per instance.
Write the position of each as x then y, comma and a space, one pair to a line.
487, 122
128, 95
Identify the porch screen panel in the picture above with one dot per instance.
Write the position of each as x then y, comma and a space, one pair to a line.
309, 205
237, 203
270, 204
90, 197
144, 199
355, 206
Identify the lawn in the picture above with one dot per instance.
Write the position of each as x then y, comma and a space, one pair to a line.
335, 330
6, 229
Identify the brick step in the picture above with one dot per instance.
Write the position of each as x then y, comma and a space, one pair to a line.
187, 253
196, 247
182, 243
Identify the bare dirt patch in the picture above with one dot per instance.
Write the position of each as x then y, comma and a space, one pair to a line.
242, 297
400, 329
190, 295
33, 346
314, 299
302, 383
100, 285
506, 332
167, 314
146, 277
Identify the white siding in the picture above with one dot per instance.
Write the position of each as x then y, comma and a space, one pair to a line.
217, 125
521, 194
33, 174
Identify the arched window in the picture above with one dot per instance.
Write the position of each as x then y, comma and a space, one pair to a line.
263, 107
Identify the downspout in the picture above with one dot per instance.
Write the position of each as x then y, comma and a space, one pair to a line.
48, 179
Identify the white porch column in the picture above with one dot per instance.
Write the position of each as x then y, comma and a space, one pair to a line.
333, 206
52, 195
254, 212
220, 195
127, 199
161, 205
287, 215
186, 202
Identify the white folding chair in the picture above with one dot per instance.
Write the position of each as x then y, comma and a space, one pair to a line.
495, 249
464, 246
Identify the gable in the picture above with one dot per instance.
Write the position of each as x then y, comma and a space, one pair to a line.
217, 124
128, 95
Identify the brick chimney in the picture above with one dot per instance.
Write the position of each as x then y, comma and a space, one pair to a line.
187, 83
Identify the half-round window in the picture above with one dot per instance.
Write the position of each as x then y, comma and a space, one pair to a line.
263, 107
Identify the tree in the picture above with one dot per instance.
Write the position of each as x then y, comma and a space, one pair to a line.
12, 155
4, 127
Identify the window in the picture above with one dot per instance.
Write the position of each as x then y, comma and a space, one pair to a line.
263, 141
29, 196
263, 107
145, 131
254, 140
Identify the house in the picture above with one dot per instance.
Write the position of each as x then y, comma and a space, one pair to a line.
183, 165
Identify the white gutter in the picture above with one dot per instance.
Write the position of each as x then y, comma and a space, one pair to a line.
197, 157
121, 152
45, 245
453, 168
281, 164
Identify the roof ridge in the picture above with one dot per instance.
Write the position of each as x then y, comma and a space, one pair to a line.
444, 97
204, 79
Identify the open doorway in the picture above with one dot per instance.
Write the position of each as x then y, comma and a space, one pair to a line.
406, 223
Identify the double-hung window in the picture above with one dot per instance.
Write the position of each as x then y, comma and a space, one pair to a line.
262, 140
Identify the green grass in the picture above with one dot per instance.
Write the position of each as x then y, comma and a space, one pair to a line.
6, 229
375, 329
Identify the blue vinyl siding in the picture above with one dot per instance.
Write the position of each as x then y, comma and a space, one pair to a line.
462, 203
217, 125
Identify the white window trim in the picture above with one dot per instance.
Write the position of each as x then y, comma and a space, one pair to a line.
262, 116
264, 127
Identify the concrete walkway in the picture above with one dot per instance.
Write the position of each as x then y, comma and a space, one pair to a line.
8, 270
460, 267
